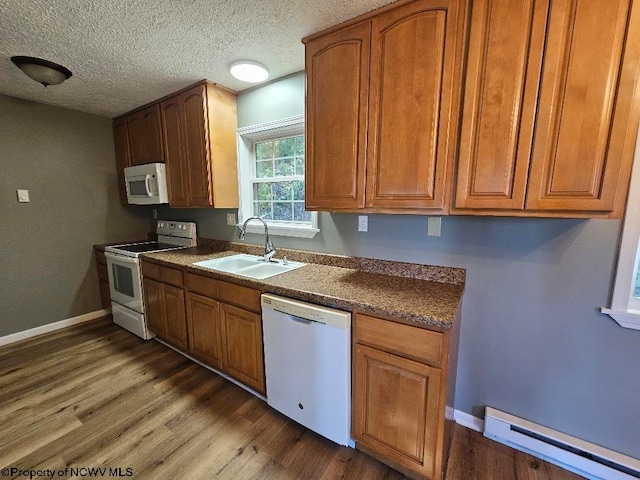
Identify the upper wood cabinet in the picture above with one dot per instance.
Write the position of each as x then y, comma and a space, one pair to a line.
551, 107
194, 132
123, 159
145, 136
199, 127
337, 95
502, 82
381, 109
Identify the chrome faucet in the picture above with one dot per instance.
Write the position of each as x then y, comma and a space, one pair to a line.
269, 249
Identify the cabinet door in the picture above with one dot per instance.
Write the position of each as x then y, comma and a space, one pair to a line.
175, 319
153, 134
172, 116
204, 329
153, 310
137, 138
414, 55
242, 349
337, 67
506, 42
121, 140
584, 112
395, 408
145, 136
198, 175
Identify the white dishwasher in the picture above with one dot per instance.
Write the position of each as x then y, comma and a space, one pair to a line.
307, 357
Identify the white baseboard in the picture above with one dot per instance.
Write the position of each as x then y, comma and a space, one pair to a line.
469, 421
52, 327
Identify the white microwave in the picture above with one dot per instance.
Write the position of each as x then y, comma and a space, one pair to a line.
146, 184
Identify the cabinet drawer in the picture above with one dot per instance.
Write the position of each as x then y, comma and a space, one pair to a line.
203, 285
404, 340
103, 272
163, 274
240, 296
100, 258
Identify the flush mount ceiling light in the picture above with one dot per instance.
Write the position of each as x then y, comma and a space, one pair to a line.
249, 71
43, 71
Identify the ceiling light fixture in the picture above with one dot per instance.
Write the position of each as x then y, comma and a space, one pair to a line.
249, 71
43, 71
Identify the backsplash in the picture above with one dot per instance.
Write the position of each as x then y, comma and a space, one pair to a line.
452, 275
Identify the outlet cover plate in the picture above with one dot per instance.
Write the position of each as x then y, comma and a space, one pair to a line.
363, 223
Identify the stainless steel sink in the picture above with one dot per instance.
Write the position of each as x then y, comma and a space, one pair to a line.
250, 266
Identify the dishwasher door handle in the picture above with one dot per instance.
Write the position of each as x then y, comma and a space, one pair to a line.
294, 318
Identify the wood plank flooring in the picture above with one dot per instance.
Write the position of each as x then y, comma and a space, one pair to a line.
95, 396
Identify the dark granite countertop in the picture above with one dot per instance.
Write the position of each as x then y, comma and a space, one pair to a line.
409, 294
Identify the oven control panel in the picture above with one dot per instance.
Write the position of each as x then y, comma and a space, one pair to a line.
172, 228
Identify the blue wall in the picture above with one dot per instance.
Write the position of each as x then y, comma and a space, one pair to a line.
532, 342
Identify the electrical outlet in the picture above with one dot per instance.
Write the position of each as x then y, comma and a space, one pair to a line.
23, 196
231, 218
363, 223
434, 226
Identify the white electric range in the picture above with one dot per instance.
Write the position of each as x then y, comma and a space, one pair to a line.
125, 273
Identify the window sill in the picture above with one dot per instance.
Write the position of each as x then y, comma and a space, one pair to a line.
626, 319
284, 230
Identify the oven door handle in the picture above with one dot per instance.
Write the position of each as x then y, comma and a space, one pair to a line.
115, 258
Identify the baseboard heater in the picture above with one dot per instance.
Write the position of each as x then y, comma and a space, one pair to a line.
576, 455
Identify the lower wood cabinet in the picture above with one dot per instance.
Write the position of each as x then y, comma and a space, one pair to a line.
214, 321
203, 321
164, 303
153, 307
400, 390
103, 279
396, 406
165, 312
176, 325
242, 347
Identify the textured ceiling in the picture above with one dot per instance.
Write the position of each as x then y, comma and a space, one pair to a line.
126, 53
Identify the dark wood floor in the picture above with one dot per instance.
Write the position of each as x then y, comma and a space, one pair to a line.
95, 396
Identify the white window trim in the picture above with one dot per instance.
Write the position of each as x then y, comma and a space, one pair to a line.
625, 308
246, 137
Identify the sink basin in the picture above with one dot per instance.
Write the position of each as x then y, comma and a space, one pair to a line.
230, 264
250, 266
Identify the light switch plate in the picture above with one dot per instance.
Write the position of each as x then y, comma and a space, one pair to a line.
434, 226
231, 218
23, 196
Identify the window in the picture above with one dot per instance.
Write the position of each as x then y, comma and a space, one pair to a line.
271, 169
625, 303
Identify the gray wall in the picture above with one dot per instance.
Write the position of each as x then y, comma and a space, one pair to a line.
532, 341
66, 161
